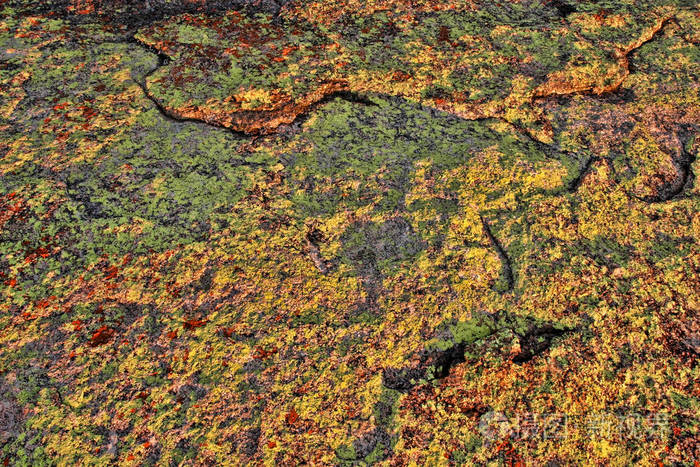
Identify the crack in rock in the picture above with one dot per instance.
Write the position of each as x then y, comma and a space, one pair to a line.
563, 8
298, 117
440, 355
507, 265
267, 121
437, 358
313, 238
557, 88
564, 87
536, 340
164, 60
575, 184
257, 122
684, 177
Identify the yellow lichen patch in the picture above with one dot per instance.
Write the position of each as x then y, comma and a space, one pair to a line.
254, 99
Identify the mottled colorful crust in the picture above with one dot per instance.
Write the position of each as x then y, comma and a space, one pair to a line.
348, 232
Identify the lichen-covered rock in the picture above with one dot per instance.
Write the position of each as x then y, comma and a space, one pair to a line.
343, 233
475, 60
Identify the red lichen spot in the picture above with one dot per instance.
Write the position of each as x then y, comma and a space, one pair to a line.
271, 444
400, 76
600, 16
292, 417
77, 325
287, 50
262, 354
444, 34
101, 336
111, 272
88, 113
171, 335
193, 324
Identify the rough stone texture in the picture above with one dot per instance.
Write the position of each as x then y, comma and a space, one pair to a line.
348, 233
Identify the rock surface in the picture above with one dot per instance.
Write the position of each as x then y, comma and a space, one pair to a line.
404, 232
